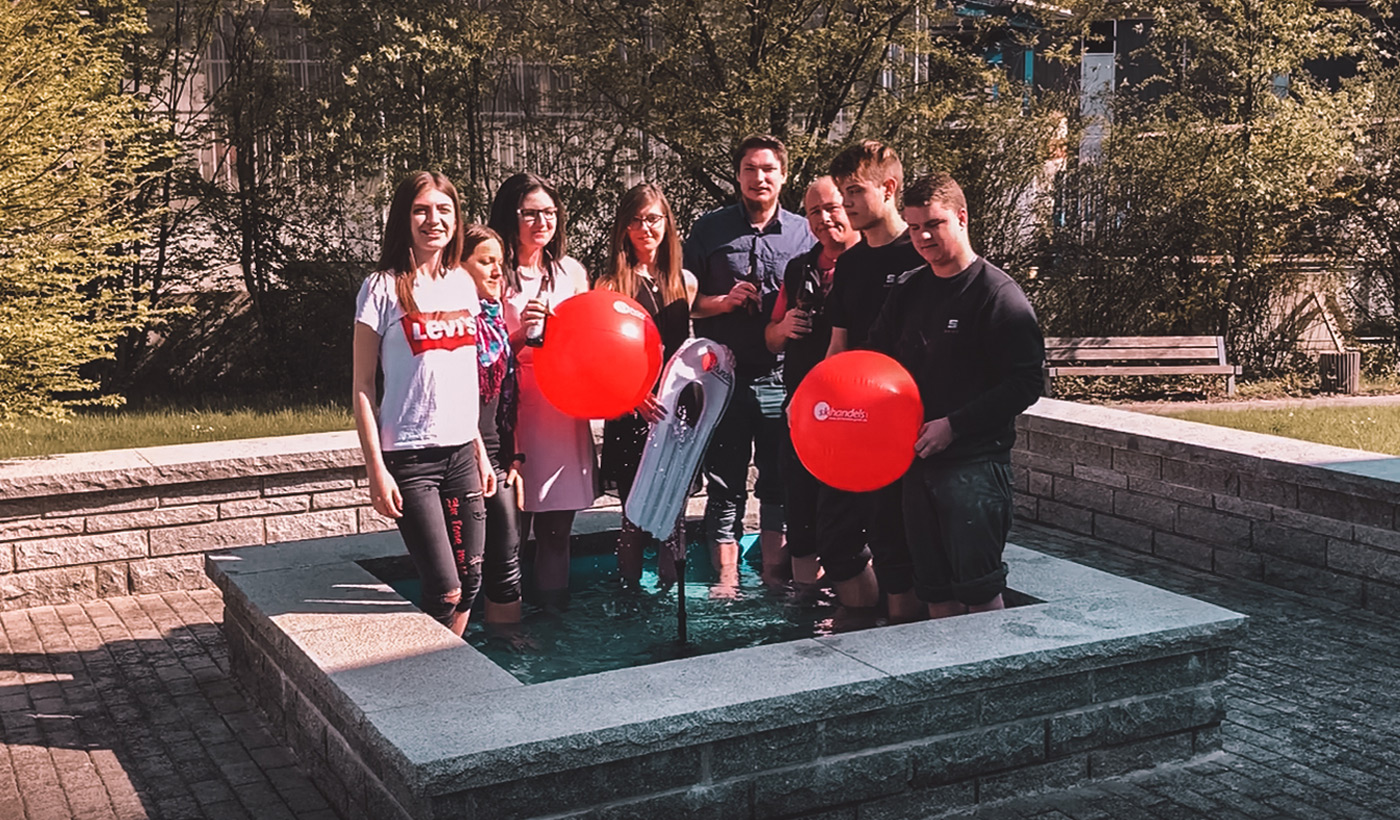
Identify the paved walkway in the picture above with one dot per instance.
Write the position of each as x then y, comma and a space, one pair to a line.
1312, 724
124, 708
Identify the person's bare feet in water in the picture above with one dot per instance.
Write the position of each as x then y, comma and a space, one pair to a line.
515, 636
724, 555
777, 566
853, 618
665, 568
727, 587
805, 595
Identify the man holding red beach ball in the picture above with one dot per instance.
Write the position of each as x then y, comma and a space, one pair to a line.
967, 334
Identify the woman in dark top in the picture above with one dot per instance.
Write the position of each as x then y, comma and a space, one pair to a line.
645, 264
481, 257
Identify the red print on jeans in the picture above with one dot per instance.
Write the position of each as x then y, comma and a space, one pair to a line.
453, 504
443, 330
456, 533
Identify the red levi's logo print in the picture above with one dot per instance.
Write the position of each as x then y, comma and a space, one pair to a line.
444, 330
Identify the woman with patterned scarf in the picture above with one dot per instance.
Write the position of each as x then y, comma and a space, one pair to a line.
481, 257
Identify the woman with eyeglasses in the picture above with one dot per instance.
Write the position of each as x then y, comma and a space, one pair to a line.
555, 451
645, 264
415, 318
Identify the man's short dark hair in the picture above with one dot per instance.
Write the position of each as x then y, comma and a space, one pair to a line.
872, 158
758, 142
940, 188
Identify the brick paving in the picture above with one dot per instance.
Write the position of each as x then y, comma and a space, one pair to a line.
1312, 726
124, 708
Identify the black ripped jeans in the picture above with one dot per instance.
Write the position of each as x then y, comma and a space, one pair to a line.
443, 524
502, 544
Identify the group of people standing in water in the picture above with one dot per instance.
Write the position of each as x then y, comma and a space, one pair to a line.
467, 456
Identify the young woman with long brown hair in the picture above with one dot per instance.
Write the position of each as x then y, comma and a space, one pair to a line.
557, 467
645, 264
424, 457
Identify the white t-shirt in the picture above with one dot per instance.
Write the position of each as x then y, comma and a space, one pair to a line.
431, 393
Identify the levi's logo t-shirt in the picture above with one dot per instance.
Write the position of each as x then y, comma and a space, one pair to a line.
431, 396
442, 330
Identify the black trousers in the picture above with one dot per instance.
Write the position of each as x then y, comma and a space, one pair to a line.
443, 523
501, 574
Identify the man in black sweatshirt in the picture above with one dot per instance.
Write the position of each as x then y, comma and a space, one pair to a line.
967, 334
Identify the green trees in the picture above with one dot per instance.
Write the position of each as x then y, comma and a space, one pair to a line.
1221, 171
686, 80
408, 85
1366, 208
72, 153
664, 90
1211, 182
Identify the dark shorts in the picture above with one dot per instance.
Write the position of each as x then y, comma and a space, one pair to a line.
824, 521
956, 517
889, 548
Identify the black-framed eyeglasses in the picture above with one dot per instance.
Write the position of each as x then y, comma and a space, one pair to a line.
646, 220
538, 214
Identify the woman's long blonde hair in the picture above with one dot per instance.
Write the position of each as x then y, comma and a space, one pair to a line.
621, 275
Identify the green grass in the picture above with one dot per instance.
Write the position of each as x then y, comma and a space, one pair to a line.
152, 426
1375, 428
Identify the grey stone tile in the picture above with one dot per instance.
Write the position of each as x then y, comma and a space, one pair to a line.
614, 714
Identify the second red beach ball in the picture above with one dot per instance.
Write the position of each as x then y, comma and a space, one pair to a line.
854, 420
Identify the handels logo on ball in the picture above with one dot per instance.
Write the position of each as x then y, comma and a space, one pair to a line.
627, 310
825, 412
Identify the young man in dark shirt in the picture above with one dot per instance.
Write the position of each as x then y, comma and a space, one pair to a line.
801, 329
871, 178
967, 334
738, 254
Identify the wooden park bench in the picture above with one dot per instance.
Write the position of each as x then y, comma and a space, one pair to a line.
1138, 356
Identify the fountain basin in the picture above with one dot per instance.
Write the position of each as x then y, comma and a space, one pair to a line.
395, 717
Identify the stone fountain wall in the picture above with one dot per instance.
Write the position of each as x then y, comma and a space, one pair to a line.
124, 522
395, 718
1307, 517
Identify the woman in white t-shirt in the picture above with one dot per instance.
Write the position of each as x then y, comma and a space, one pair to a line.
416, 318
558, 468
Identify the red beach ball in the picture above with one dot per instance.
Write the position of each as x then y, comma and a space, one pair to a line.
600, 357
854, 420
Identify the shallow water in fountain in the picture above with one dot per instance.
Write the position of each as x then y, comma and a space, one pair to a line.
608, 627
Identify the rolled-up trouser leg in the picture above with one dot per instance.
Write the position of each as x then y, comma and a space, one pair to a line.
841, 533
889, 543
726, 467
957, 517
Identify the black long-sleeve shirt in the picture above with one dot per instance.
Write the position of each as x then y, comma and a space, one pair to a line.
973, 346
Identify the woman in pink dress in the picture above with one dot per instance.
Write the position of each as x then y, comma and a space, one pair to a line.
558, 468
